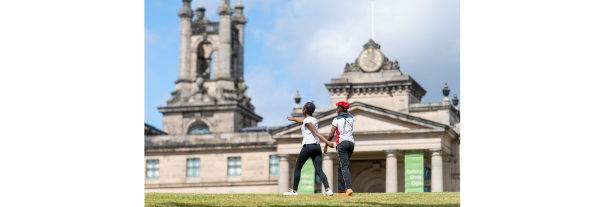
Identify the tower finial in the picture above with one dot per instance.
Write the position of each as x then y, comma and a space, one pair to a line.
186, 10
446, 92
201, 17
239, 14
225, 8
297, 100
455, 100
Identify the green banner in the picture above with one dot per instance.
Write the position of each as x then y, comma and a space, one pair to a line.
414, 176
307, 178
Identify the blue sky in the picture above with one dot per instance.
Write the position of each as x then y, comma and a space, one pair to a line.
301, 45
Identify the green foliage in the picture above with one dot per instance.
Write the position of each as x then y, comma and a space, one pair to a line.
357, 199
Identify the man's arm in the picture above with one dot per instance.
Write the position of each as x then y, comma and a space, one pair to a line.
300, 121
332, 133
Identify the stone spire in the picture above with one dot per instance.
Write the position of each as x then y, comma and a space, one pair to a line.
239, 14
201, 18
446, 92
297, 100
224, 44
186, 14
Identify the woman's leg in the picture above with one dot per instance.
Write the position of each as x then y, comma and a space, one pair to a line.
302, 158
316, 156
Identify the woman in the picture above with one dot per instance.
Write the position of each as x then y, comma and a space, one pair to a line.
345, 144
310, 149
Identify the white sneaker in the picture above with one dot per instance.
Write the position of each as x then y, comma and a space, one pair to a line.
328, 193
291, 192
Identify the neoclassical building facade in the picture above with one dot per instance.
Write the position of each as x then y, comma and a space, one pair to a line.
210, 142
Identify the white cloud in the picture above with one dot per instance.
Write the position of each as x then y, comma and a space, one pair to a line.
319, 37
151, 37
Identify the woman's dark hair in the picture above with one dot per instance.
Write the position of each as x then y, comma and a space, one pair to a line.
310, 108
343, 109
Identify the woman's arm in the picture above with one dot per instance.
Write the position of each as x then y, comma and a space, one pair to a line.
300, 121
314, 131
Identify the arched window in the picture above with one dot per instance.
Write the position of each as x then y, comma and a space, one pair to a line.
199, 128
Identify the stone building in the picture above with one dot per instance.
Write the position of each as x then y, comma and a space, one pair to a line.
213, 144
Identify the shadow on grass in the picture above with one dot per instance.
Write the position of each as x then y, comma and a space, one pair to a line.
340, 204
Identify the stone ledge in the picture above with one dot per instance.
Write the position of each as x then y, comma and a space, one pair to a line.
204, 147
218, 107
210, 184
208, 140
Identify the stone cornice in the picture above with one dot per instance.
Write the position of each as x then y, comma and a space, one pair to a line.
343, 87
205, 147
380, 132
366, 107
218, 107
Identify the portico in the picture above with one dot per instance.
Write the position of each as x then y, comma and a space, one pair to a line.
379, 152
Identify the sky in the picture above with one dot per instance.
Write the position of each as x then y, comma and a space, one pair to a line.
301, 45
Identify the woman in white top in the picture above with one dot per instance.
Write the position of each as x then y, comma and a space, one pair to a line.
310, 149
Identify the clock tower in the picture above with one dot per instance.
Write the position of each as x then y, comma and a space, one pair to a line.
375, 80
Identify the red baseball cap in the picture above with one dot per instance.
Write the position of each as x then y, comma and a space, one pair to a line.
343, 104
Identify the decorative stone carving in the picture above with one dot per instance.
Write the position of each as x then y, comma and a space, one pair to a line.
371, 44
186, 11
200, 83
241, 91
348, 68
175, 97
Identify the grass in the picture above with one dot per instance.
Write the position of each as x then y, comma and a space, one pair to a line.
357, 199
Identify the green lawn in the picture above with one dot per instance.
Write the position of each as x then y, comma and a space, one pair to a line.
357, 199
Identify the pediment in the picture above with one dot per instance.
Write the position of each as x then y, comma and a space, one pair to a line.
368, 118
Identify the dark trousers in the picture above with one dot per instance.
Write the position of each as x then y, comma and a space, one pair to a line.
344, 150
314, 152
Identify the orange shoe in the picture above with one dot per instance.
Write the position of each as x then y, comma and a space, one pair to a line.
349, 192
341, 193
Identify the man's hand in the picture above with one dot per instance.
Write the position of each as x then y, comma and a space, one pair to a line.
326, 149
290, 118
330, 144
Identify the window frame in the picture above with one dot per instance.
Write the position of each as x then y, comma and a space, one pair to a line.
276, 165
194, 125
154, 168
236, 165
193, 168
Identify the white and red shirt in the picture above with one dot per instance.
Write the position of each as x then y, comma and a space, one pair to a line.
344, 128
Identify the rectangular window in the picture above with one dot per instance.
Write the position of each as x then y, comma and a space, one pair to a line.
193, 168
234, 166
273, 165
153, 169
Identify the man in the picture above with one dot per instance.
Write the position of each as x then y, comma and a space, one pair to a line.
345, 144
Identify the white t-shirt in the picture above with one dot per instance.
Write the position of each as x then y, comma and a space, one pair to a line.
344, 130
308, 136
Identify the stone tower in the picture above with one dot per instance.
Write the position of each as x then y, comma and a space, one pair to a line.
376, 80
202, 103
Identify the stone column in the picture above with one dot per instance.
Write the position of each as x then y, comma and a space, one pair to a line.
185, 49
391, 181
284, 173
436, 171
447, 173
327, 166
224, 42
